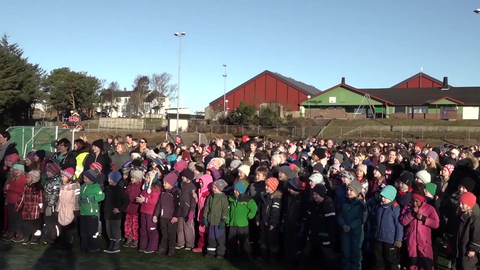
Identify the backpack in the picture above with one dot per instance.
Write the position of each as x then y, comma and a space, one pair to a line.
66, 204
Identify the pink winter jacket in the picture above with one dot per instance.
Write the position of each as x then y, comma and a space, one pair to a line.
148, 207
417, 233
203, 194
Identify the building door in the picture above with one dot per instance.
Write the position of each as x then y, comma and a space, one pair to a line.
444, 112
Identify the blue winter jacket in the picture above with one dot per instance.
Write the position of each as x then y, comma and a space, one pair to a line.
387, 226
340, 196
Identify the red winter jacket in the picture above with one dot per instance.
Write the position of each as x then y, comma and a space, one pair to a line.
14, 188
133, 191
31, 202
417, 233
148, 207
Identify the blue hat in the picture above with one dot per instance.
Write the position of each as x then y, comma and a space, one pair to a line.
155, 176
389, 192
19, 167
116, 176
241, 186
91, 175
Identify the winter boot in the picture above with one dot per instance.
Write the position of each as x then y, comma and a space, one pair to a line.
128, 242
134, 244
116, 246
19, 238
35, 240
171, 252
26, 241
197, 250
110, 247
161, 251
8, 236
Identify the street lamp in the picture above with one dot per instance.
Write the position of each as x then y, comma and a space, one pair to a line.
226, 105
225, 88
309, 111
179, 35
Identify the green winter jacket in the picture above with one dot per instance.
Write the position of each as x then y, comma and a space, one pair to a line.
216, 208
241, 210
90, 196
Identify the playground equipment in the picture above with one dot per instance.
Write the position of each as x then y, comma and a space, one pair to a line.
28, 138
73, 121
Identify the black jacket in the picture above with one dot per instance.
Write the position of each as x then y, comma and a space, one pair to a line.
257, 190
11, 149
269, 209
187, 199
168, 206
321, 222
68, 161
115, 197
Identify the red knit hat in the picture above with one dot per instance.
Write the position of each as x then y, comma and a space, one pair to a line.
449, 167
419, 144
68, 172
418, 197
272, 183
468, 198
96, 167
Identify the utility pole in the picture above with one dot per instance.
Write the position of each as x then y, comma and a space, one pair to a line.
225, 89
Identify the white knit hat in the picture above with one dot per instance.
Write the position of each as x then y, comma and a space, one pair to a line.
424, 176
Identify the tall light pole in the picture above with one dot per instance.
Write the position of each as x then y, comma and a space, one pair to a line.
225, 89
179, 35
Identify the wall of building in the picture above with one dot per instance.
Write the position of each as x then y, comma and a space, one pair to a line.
418, 82
263, 89
339, 97
471, 113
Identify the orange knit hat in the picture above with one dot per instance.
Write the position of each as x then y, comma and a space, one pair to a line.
272, 183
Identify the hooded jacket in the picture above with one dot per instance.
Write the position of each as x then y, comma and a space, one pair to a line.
133, 191
387, 227
216, 208
168, 206
242, 209
188, 201
90, 197
268, 212
418, 233
322, 222
203, 193
52, 191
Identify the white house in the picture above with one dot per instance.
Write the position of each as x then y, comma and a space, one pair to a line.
152, 107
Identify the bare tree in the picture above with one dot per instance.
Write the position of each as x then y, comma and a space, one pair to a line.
109, 95
136, 104
162, 89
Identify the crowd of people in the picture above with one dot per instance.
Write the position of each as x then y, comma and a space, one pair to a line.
348, 204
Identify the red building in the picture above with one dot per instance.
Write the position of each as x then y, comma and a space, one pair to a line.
419, 80
267, 87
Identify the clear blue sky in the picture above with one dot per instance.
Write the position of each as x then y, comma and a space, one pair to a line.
373, 43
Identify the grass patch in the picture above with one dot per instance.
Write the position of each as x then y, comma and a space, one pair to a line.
15, 256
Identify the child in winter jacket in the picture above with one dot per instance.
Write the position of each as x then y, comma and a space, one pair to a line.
242, 209
116, 201
133, 191
91, 195
387, 231
378, 180
68, 207
419, 218
268, 219
294, 209
188, 204
13, 192
205, 183
53, 182
31, 207
351, 219
321, 229
464, 240
404, 188
148, 200
215, 217
166, 211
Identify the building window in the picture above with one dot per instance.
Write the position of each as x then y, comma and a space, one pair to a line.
420, 109
400, 109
